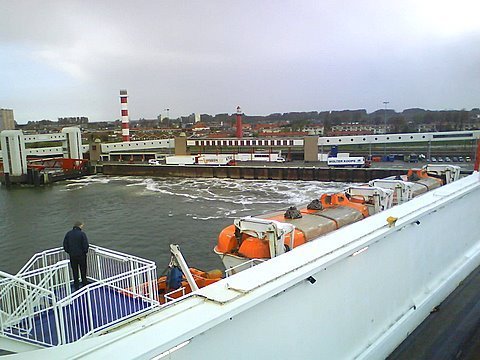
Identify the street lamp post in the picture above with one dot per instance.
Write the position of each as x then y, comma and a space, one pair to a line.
168, 116
385, 124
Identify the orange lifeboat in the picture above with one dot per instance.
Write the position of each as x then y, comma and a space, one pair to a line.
179, 280
167, 293
237, 244
321, 216
202, 279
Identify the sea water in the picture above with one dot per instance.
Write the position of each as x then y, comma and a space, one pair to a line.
140, 216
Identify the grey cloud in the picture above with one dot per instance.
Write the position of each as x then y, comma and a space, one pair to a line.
209, 56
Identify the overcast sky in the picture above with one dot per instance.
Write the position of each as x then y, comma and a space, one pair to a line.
71, 58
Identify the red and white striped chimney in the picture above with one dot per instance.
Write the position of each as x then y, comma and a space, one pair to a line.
239, 131
125, 118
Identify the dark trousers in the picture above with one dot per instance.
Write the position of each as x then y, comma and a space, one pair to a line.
79, 262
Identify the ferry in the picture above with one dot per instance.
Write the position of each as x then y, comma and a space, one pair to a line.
339, 278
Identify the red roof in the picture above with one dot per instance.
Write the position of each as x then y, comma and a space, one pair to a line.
200, 125
266, 126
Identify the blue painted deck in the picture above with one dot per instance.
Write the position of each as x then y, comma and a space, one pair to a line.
108, 306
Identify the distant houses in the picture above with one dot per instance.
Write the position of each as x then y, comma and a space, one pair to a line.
293, 124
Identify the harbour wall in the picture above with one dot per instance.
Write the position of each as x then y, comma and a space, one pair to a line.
307, 173
34, 177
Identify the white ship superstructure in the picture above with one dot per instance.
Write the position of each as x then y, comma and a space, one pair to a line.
356, 292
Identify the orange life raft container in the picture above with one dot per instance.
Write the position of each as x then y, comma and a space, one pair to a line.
321, 216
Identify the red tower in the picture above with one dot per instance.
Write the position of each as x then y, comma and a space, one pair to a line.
239, 123
125, 118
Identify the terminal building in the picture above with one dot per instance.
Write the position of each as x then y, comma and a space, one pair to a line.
7, 121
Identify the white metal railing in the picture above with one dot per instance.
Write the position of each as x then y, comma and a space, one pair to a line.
104, 303
23, 307
243, 266
37, 304
44, 259
169, 296
102, 263
55, 277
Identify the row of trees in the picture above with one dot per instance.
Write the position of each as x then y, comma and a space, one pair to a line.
405, 121
451, 119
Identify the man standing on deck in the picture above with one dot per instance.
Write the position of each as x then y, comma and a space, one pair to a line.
76, 245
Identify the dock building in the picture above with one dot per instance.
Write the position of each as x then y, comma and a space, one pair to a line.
7, 121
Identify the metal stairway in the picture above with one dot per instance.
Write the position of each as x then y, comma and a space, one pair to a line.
39, 309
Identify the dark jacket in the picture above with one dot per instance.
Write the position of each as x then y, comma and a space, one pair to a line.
75, 242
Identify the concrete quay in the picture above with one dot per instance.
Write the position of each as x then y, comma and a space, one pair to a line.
276, 172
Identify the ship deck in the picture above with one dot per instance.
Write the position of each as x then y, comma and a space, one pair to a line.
109, 305
451, 331
40, 308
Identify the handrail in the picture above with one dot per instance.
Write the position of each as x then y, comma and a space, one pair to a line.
35, 289
120, 286
251, 262
84, 299
24, 275
168, 296
38, 255
113, 256
93, 249
38, 291
20, 280
38, 271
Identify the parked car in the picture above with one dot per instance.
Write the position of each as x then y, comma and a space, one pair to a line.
154, 162
440, 159
413, 158
461, 159
454, 159
447, 159
433, 159
467, 159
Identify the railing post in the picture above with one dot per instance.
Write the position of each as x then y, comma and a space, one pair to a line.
132, 277
61, 326
51, 279
68, 289
30, 305
89, 309
44, 259
100, 277
150, 285
59, 329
